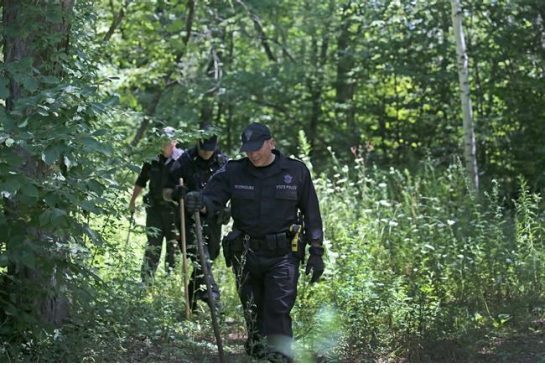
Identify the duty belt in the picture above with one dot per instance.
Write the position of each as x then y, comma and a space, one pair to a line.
275, 242
156, 202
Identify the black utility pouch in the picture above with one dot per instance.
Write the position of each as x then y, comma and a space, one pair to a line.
232, 245
278, 243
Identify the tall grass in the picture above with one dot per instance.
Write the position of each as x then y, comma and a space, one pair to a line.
416, 259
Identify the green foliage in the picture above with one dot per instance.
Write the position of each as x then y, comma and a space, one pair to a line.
414, 258
59, 166
413, 262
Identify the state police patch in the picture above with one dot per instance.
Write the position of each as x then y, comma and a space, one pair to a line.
288, 179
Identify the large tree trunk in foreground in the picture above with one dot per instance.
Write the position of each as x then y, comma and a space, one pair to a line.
33, 282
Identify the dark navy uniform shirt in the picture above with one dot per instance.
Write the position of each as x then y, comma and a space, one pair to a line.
156, 172
266, 200
194, 170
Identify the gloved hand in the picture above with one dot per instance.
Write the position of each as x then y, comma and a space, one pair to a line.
224, 215
193, 201
179, 192
315, 263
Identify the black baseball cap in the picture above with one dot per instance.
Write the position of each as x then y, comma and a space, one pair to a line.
209, 144
253, 136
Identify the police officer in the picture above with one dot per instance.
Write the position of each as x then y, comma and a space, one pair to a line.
160, 217
267, 191
196, 166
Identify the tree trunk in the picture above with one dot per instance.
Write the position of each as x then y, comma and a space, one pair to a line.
315, 79
214, 74
34, 286
470, 149
345, 85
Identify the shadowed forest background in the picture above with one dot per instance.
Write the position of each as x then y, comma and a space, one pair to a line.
420, 265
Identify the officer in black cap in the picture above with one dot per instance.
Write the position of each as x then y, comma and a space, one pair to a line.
267, 192
160, 217
195, 167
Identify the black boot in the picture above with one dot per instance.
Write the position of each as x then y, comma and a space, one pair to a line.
256, 347
274, 356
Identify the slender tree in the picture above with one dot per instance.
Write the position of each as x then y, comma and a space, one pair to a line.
470, 148
345, 84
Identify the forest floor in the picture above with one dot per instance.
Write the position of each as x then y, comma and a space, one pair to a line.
515, 345
521, 344
196, 349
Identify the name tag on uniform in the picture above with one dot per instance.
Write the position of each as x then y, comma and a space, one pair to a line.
244, 187
286, 187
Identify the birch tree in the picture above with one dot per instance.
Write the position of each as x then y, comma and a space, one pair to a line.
470, 148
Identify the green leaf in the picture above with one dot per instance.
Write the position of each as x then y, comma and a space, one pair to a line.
23, 124
52, 153
53, 216
51, 199
92, 145
29, 83
175, 26
45, 218
11, 184
95, 186
89, 232
57, 216
30, 190
50, 80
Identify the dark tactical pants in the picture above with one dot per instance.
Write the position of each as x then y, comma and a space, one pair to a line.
267, 289
160, 223
212, 236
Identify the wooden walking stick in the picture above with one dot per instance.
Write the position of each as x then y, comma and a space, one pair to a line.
211, 299
184, 257
131, 222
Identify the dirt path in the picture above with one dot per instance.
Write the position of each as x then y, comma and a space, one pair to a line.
523, 345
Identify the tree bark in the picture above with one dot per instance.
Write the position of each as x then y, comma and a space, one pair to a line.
315, 84
116, 21
36, 284
470, 148
260, 31
345, 85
